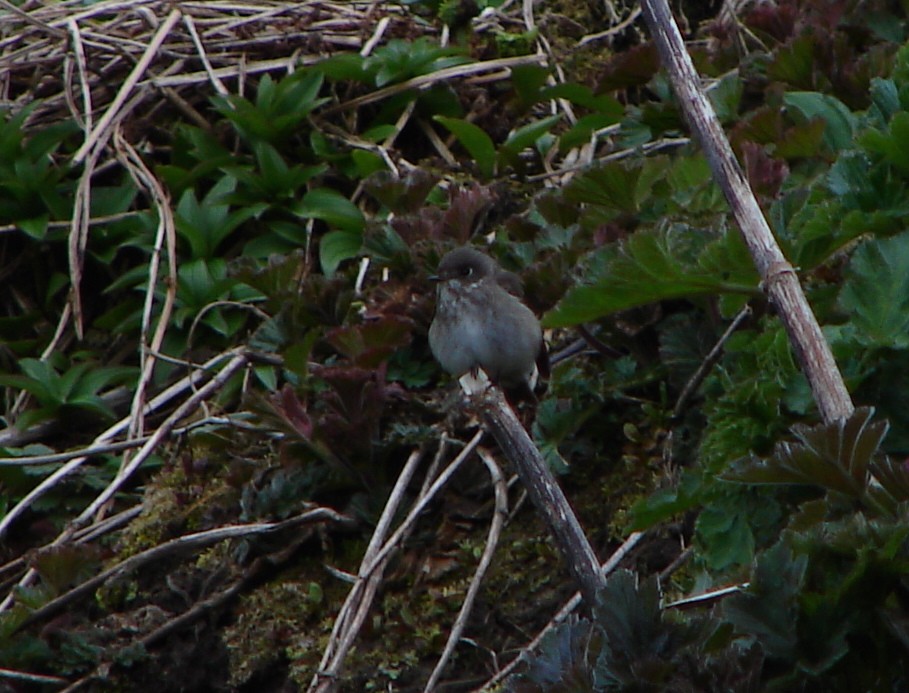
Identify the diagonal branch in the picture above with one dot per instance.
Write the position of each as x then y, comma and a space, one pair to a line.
778, 276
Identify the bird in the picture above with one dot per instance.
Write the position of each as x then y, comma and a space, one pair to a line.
481, 322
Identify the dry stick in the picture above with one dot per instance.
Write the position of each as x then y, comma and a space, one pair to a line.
40, 679
200, 49
166, 235
176, 623
78, 236
64, 471
492, 541
612, 31
26, 17
437, 76
563, 613
238, 362
326, 680
83, 536
703, 369
778, 277
107, 448
81, 64
91, 148
100, 133
540, 484
348, 622
198, 610
189, 542
376, 36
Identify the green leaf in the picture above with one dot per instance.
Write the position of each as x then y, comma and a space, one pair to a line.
35, 227
834, 456
344, 67
893, 144
876, 293
367, 163
727, 535
768, 610
333, 208
649, 266
337, 246
525, 137
399, 60
667, 502
840, 121
528, 81
475, 140
602, 104
726, 96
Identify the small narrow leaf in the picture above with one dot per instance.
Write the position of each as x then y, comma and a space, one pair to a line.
475, 140
525, 136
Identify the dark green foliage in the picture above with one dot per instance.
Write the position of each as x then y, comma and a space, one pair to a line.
279, 109
828, 594
876, 293
281, 195
633, 644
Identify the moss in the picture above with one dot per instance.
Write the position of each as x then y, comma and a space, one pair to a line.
176, 503
274, 623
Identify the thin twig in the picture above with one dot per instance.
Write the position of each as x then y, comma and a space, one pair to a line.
101, 131
164, 238
40, 679
712, 357
423, 81
492, 540
609, 566
87, 117
236, 364
160, 400
326, 679
612, 31
203, 56
353, 612
180, 545
107, 448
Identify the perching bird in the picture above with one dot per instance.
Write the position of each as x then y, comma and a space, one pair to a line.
480, 322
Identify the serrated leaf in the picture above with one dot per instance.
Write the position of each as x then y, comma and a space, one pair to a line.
647, 268
876, 292
834, 456
767, 610
727, 535
840, 121
892, 144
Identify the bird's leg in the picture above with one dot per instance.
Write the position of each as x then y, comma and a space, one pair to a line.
474, 381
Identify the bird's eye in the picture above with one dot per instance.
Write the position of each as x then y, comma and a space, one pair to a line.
467, 271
